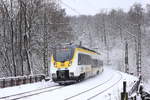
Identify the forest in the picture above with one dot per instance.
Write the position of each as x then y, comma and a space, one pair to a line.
31, 28
109, 31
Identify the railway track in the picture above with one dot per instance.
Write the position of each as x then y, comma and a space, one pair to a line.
95, 88
31, 93
57, 87
89, 89
106, 88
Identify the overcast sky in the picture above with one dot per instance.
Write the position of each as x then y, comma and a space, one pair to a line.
91, 7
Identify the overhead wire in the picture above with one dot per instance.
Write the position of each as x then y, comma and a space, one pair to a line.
73, 9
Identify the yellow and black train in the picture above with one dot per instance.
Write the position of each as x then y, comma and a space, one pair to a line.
74, 63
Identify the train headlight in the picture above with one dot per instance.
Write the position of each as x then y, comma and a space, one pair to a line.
55, 64
71, 74
70, 63
53, 75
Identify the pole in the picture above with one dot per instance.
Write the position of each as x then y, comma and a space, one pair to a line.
45, 53
124, 94
126, 58
139, 51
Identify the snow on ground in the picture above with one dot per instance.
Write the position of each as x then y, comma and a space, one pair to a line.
105, 86
24, 88
147, 86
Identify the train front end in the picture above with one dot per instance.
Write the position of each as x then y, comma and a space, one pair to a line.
62, 65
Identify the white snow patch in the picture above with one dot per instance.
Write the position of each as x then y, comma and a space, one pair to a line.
110, 86
24, 88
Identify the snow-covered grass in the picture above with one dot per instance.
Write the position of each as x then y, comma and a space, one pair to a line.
24, 88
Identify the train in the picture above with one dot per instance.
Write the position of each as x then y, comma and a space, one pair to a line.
74, 63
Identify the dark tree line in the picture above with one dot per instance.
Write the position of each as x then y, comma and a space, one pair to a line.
28, 31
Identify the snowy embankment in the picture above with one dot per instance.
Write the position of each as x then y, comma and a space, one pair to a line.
147, 87
106, 85
24, 88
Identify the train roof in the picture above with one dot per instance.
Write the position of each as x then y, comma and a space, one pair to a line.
77, 46
88, 49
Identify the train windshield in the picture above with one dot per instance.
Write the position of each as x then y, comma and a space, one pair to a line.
63, 54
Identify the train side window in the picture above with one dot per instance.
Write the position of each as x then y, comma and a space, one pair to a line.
84, 59
94, 63
79, 59
97, 63
100, 63
88, 60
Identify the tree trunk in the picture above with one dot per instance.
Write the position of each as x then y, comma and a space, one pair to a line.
45, 45
26, 40
20, 41
12, 48
12, 41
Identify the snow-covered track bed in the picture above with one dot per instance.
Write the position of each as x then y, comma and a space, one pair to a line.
105, 86
31, 93
98, 89
89, 89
